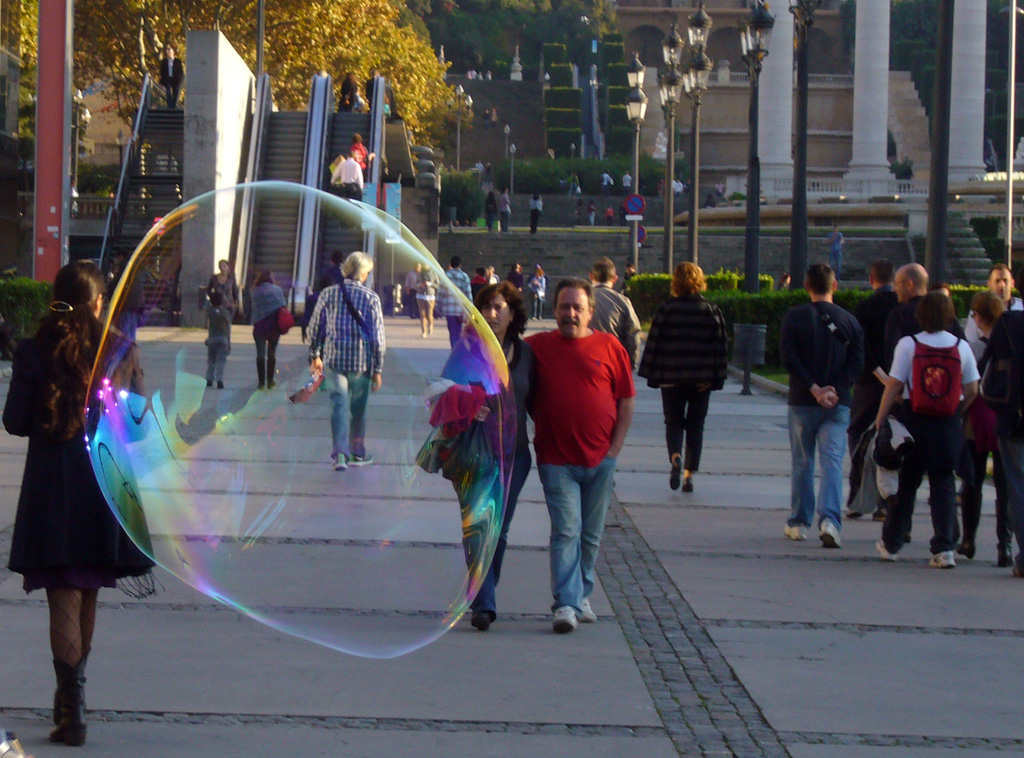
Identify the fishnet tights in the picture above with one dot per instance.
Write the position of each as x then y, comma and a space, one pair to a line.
72, 620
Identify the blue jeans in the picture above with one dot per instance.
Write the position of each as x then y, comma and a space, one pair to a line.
577, 500
349, 394
217, 349
484, 600
835, 260
1012, 451
812, 426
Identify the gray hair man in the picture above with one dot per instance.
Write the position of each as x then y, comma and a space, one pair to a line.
613, 313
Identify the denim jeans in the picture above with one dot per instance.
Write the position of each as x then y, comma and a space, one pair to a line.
812, 426
835, 260
577, 500
1012, 451
217, 349
349, 394
485, 600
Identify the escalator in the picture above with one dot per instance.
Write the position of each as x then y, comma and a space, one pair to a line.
334, 236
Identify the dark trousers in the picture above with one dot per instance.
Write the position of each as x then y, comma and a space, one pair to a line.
685, 408
172, 91
534, 219
454, 329
970, 499
266, 358
938, 443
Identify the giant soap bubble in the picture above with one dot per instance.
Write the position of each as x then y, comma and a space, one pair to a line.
234, 491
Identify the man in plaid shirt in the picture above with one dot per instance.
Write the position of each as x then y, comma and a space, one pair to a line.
346, 342
448, 304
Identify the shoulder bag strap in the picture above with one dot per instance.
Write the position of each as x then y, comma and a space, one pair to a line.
352, 310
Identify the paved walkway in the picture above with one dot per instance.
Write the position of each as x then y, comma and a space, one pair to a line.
716, 636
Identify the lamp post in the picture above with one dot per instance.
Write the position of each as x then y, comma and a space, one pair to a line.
695, 80
261, 30
670, 83
512, 169
755, 31
1011, 147
803, 18
462, 102
508, 130
636, 109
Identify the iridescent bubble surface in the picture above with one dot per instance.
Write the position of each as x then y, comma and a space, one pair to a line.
233, 491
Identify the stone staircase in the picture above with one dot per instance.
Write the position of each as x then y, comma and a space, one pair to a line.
519, 104
908, 123
969, 263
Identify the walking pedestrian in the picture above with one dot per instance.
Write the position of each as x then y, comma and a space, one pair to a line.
538, 288
218, 339
1000, 283
536, 208
426, 295
613, 311
504, 210
686, 357
172, 74
267, 300
835, 251
448, 304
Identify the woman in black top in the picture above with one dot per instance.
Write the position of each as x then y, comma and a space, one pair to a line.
66, 539
685, 356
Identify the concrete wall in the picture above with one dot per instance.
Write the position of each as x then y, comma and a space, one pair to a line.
565, 254
220, 90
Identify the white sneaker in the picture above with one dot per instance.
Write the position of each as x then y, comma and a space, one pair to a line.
943, 560
829, 535
340, 463
883, 553
797, 532
587, 615
565, 619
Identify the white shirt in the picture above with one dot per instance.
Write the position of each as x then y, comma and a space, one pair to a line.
348, 172
971, 330
627, 181
903, 358
606, 180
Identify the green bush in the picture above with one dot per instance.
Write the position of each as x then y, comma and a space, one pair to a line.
615, 76
562, 118
619, 141
612, 52
543, 175
561, 74
23, 302
617, 118
563, 97
560, 141
461, 189
555, 53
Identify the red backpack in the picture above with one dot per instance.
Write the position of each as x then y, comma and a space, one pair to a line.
937, 378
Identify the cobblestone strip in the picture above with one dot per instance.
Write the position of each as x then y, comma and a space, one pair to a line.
903, 741
351, 722
862, 629
703, 705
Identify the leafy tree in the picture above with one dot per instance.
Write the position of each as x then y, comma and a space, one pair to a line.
126, 39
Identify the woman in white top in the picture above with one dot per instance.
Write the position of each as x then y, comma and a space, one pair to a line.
937, 432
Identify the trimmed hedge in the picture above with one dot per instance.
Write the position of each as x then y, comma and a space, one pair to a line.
544, 175
461, 189
563, 97
615, 76
562, 118
649, 291
561, 74
555, 53
560, 140
23, 302
619, 141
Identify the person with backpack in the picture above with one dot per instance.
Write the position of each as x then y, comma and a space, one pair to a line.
935, 373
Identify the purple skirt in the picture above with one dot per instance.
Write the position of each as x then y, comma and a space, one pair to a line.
70, 577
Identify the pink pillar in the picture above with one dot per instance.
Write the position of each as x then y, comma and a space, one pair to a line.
53, 138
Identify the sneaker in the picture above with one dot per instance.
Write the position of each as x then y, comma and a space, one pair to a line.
829, 535
883, 553
220, 385
943, 560
209, 383
673, 477
340, 463
481, 621
688, 484
587, 615
565, 619
360, 460
797, 532
853, 515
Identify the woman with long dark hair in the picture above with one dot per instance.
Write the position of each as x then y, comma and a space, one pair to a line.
267, 300
685, 356
66, 539
502, 307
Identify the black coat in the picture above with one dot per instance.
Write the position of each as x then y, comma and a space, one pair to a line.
175, 76
686, 345
63, 519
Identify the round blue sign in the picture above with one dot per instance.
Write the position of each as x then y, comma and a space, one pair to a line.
641, 234
635, 205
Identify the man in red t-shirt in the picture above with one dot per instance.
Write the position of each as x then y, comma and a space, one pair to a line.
582, 407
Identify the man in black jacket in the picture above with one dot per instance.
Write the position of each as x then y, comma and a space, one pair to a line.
871, 315
172, 73
911, 285
823, 349
1007, 343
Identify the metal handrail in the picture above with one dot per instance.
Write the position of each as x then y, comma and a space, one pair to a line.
115, 217
377, 145
308, 227
263, 106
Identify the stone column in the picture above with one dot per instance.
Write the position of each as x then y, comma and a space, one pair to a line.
871, 98
775, 119
967, 106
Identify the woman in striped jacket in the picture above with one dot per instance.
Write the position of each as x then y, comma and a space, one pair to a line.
685, 356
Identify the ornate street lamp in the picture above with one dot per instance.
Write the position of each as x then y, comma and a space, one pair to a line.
803, 18
508, 130
696, 82
755, 31
636, 109
670, 84
512, 171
